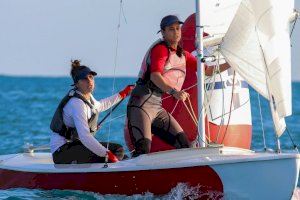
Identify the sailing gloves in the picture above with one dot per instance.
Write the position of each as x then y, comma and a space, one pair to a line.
111, 157
126, 91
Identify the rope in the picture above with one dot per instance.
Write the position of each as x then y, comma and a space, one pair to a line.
120, 116
175, 106
191, 108
208, 98
223, 102
267, 74
294, 26
231, 101
191, 115
262, 123
294, 145
191, 112
114, 79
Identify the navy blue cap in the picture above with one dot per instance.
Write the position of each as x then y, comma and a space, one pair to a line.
82, 73
169, 20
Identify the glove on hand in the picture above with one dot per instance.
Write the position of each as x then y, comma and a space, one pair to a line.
126, 91
111, 157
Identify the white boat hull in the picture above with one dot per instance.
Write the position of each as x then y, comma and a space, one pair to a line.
229, 172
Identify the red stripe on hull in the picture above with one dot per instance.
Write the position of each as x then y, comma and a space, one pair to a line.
133, 182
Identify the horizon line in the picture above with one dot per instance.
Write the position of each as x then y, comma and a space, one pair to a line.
67, 76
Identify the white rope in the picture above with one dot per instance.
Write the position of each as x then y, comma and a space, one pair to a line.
262, 123
174, 107
192, 110
123, 115
115, 66
191, 114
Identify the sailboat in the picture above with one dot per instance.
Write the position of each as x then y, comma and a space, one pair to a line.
254, 39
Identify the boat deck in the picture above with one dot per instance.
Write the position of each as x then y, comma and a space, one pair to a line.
42, 162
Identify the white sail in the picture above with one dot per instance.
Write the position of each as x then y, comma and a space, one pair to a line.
257, 46
217, 16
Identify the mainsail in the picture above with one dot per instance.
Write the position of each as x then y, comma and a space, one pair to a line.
257, 45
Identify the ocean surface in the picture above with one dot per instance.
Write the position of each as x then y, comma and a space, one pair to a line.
28, 103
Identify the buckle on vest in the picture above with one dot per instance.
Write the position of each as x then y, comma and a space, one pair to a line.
71, 93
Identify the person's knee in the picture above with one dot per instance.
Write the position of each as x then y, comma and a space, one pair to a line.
182, 141
142, 146
116, 149
120, 152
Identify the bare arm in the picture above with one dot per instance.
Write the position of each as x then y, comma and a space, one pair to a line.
160, 82
210, 70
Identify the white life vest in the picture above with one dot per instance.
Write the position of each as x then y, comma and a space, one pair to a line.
174, 70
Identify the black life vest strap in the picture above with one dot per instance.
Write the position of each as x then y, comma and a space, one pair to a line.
90, 104
59, 126
146, 80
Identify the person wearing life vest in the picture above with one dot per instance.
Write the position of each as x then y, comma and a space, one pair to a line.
74, 123
163, 70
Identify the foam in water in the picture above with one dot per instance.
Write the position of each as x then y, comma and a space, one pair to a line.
181, 191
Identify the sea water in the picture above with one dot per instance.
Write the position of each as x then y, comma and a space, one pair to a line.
28, 103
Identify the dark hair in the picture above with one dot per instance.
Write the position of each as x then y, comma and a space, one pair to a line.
79, 72
179, 50
75, 67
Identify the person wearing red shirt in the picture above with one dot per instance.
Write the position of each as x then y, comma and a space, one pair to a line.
163, 71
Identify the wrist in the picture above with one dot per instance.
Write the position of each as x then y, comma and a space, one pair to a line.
172, 91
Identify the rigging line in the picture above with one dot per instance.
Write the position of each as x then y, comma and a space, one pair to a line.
200, 111
209, 97
223, 103
109, 113
185, 89
202, 107
233, 110
174, 107
191, 108
267, 74
123, 13
193, 118
294, 145
231, 102
113, 119
191, 115
295, 21
117, 117
115, 66
262, 123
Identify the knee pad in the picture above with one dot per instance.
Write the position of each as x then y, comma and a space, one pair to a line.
142, 146
182, 141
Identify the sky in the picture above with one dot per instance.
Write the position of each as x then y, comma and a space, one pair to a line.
40, 37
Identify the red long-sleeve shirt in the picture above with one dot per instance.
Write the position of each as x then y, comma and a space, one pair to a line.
159, 56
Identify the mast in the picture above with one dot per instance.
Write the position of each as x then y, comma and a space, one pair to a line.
200, 72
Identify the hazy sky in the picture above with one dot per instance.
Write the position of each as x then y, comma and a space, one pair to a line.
39, 37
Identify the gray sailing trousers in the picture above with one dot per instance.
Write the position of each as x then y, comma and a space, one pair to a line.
146, 116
